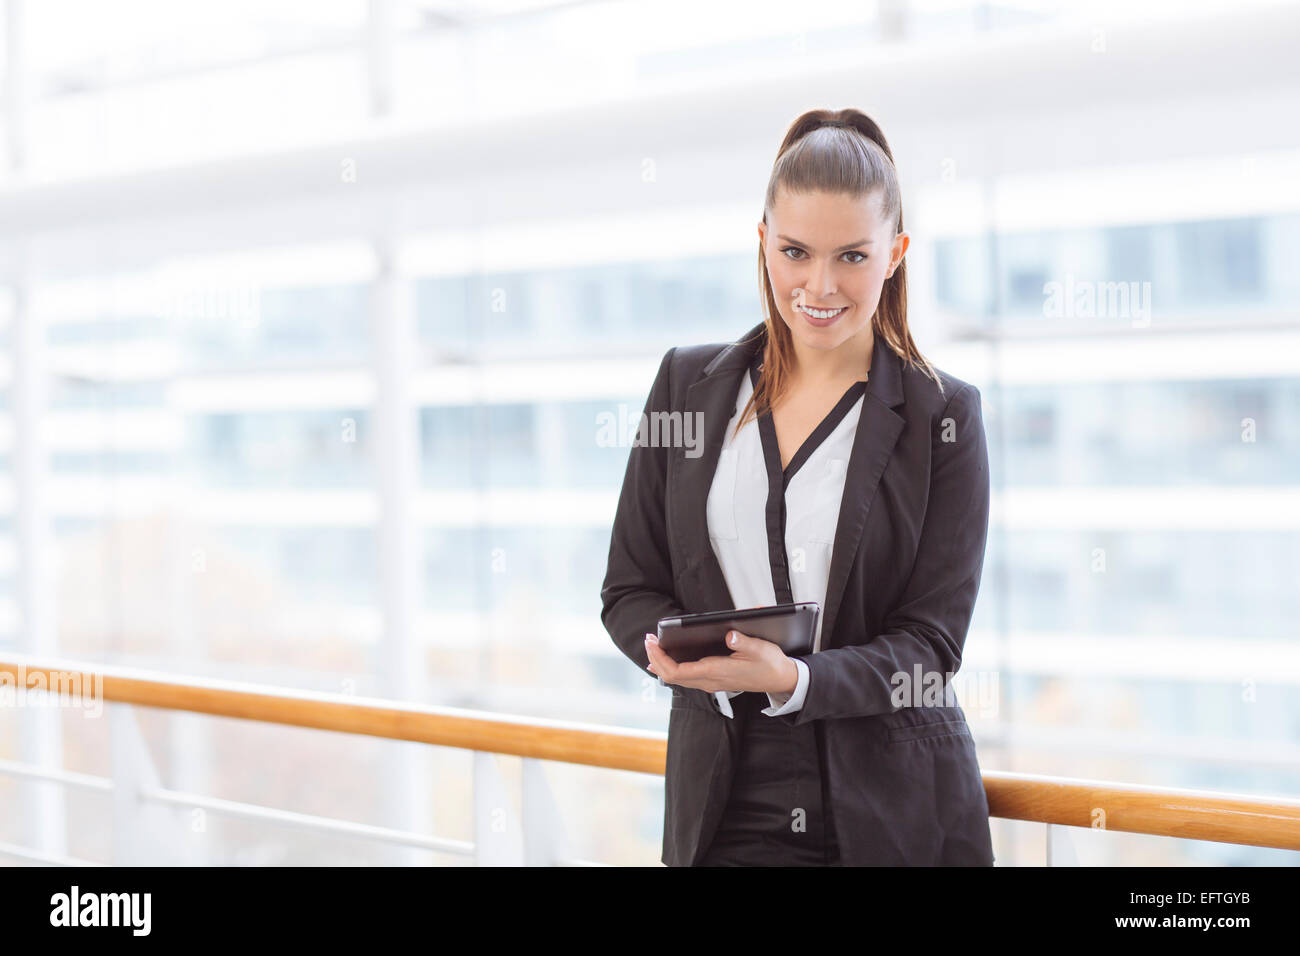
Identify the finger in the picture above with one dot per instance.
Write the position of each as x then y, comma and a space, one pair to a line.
660, 662
704, 685
684, 675
652, 651
649, 653
740, 643
692, 670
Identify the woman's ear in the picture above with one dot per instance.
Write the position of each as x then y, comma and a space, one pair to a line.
899, 249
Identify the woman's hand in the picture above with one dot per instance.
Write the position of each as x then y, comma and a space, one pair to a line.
753, 664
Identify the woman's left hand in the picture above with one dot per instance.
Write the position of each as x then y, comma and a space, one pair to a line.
753, 664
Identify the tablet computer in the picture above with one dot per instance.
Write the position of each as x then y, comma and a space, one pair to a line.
689, 637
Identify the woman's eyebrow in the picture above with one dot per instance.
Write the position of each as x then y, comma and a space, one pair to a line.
860, 242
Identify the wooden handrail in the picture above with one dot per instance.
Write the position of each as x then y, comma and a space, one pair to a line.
1186, 814
1161, 811
593, 744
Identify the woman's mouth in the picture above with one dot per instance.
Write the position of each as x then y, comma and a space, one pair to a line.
821, 317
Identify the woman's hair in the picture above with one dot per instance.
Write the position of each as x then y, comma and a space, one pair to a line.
845, 153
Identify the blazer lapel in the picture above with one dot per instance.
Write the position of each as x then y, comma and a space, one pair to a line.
878, 429
714, 397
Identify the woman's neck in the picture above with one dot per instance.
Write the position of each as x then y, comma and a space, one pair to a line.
846, 364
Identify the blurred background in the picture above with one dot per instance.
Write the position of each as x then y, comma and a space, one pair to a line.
310, 312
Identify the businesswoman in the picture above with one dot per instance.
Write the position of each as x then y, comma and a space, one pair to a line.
820, 458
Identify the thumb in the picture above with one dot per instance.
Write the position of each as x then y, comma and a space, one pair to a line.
737, 642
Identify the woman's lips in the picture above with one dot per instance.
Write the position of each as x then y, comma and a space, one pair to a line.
821, 323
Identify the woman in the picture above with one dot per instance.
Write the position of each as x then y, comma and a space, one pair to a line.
831, 463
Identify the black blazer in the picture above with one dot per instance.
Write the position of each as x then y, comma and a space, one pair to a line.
904, 783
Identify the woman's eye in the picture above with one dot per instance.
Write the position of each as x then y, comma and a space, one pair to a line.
788, 249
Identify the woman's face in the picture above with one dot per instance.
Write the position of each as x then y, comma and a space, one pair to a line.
828, 253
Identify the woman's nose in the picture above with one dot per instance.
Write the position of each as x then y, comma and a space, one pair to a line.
820, 282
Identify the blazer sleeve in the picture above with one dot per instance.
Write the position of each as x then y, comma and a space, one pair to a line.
638, 588
928, 626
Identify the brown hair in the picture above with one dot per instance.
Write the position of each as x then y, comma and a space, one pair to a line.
843, 152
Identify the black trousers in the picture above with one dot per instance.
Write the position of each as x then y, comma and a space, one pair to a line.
777, 813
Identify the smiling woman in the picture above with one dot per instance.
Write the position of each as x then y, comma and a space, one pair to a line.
836, 466
833, 180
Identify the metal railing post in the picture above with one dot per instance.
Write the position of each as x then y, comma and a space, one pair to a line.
1060, 846
143, 834
544, 842
497, 837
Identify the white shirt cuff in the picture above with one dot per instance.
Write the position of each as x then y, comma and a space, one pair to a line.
780, 703
724, 701
795, 699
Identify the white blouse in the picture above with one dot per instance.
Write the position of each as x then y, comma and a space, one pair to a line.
752, 498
